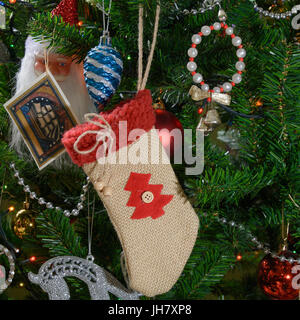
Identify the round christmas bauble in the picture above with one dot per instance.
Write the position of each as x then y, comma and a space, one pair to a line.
167, 120
103, 68
275, 277
24, 221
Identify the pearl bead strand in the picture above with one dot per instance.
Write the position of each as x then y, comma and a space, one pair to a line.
278, 16
254, 240
49, 205
193, 53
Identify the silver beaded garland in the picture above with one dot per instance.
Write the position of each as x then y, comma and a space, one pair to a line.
278, 16
206, 5
254, 240
49, 205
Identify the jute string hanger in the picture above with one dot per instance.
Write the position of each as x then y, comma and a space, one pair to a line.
142, 80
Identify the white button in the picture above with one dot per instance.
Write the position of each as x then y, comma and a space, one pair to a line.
147, 197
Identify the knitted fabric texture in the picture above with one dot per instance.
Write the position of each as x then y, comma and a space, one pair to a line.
138, 112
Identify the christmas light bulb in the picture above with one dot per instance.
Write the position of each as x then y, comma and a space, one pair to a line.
239, 257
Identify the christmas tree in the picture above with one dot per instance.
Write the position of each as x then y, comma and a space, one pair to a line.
245, 198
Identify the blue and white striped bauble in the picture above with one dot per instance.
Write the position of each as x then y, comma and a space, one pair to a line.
103, 68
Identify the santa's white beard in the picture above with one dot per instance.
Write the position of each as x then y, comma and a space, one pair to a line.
73, 87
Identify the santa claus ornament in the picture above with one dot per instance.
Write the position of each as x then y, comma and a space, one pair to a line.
156, 224
67, 89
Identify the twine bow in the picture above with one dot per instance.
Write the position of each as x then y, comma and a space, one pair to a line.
101, 134
198, 95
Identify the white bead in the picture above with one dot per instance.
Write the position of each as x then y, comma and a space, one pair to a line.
197, 77
191, 66
192, 52
217, 89
205, 87
196, 39
49, 205
41, 201
241, 53
206, 30
79, 206
240, 65
75, 212
229, 31
227, 86
236, 41
217, 26
237, 78
32, 195
67, 213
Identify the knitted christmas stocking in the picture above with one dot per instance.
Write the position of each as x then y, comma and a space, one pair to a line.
155, 222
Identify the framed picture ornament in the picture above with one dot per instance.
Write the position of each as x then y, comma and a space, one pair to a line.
42, 113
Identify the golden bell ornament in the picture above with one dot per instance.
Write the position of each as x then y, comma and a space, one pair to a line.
212, 119
24, 221
202, 127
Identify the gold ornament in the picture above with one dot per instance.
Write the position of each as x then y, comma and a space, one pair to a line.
202, 127
212, 118
197, 95
24, 221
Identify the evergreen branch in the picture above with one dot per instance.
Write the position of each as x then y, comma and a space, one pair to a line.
58, 235
204, 271
67, 39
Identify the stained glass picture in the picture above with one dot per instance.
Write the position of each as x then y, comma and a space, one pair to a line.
42, 113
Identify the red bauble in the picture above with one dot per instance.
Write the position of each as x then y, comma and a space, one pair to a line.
67, 9
275, 277
167, 120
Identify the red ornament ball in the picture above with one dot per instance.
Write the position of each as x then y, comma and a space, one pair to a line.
167, 120
67, 9
275, 277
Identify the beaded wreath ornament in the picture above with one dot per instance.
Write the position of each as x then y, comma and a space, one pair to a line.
193, 52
